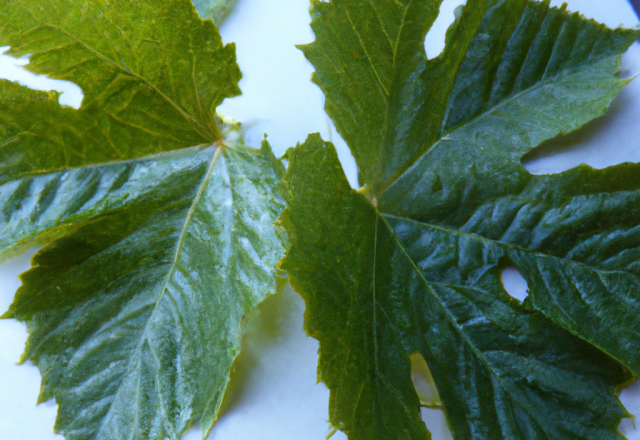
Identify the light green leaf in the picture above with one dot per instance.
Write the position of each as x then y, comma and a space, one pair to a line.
152, 74
158, 220
446, 205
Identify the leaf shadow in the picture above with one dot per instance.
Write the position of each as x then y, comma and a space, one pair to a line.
263, 328
575, 140
12, 267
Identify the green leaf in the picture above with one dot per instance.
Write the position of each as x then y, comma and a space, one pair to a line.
152, 74
134, 315
217, 10
507, 63
158, 221
412, 263
379, 288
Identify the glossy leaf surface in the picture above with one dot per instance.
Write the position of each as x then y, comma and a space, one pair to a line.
158, 221
446, 205
395, 287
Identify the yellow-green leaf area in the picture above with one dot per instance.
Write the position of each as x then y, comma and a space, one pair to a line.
158, 221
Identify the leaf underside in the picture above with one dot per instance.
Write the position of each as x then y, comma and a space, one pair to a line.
158, 222
412, 262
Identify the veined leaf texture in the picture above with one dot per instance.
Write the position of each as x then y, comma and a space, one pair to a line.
159, 229
158, 221
446, 204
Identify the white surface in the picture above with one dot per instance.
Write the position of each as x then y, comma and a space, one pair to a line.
274, 395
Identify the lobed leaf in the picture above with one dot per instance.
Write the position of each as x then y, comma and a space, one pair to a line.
394, 287
507, 63
159, 225
446, 205
134, 315
152, 74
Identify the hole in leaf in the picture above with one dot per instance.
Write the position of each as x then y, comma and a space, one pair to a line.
423, 382
431, 411
434, 41
514, 283
436, 423
13, 70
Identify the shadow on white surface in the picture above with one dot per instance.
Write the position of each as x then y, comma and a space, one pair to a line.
273, 390
436, 423
630, 398
609, 140
20, 418
278, 97
12, 69
613, 13
273, 394
434, 42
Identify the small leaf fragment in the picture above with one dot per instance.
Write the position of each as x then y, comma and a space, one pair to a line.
217, 10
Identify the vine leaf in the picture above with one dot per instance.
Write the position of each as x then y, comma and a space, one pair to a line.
412, 262
158, 221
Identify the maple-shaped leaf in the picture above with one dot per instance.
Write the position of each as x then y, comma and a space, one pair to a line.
411, 264
158, 222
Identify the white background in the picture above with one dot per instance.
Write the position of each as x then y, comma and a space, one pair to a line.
274, 394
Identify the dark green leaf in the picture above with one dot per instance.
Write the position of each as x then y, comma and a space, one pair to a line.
513, 74
379, 288
412, 264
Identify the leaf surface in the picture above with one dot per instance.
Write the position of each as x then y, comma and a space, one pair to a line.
158, 221
394, 287
446, 205
134, 316
152, 74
